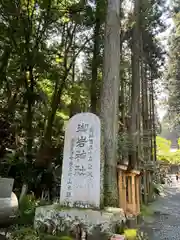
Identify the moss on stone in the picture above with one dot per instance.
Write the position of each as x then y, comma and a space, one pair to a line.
50, 237
62, 207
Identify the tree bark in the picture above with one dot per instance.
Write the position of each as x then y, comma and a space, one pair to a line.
153, 121
95, 60
135, 97
29, 116
110, 100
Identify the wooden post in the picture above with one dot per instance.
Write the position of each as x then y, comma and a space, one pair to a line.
138, 193
133, 189
150, 186
128, 182
145, 186
133, 205
122, 189
129, 189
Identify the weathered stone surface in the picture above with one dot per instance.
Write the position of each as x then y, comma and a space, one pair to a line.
6, 186
8, 201
8, 208
2, 237
80, 184
99, 224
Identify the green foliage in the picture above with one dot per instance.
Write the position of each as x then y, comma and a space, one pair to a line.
163, 145
179, 142
28, 233
46, 70
27, 209
171, 157
164, 153
157, 189
146, 211
50, 237
24, 233
173, 73
130, 234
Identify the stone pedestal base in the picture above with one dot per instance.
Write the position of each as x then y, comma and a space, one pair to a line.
55, 219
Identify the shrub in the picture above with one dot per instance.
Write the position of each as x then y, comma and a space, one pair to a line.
50, 237
24, 233
130, 234
27, 209
146, 211
28, 233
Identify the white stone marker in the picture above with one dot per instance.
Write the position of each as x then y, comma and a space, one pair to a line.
80, 181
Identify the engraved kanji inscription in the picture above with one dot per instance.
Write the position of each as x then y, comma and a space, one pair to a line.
68, 194
81, 141
80, 155
79, 170
83, 127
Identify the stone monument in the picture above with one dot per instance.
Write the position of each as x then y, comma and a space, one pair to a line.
80, 183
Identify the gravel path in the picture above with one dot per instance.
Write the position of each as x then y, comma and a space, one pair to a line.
165, 224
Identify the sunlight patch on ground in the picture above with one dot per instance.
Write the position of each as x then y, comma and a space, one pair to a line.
173, 150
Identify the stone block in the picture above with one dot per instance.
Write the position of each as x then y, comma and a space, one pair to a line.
97, 224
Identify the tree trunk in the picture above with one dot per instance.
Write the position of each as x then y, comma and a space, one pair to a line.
135, 97
153, 122
58, 91
110, 100
145, 114
145, 124
95, 60
29, 116
23, 192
